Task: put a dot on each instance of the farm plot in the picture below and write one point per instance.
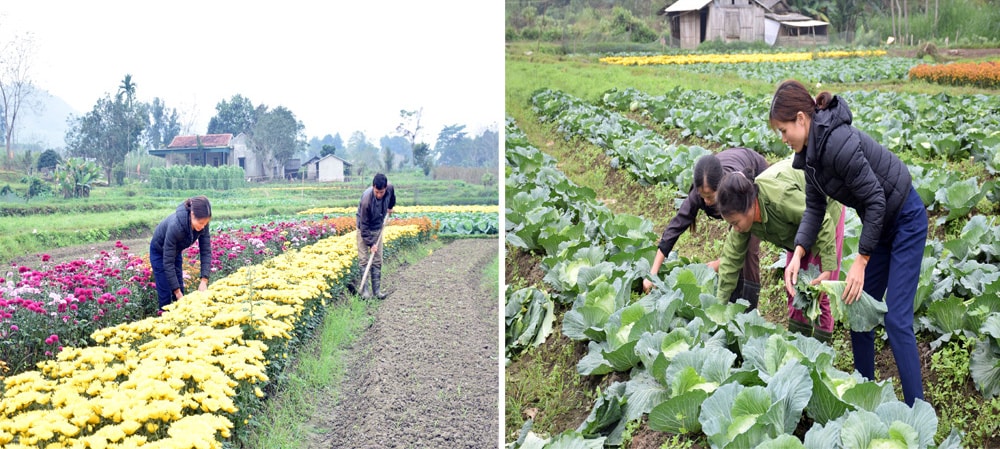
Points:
(225, 347)
(957, 291)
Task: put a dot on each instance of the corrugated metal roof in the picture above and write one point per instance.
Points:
(687, 5)
(805, 23)
(207, 141)
(790, 17)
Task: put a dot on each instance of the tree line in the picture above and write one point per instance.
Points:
(641, 21)
(119, 125)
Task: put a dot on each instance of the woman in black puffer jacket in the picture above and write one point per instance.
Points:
(847, 165)
(188, 224)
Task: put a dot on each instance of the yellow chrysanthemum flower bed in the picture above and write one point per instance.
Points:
(176, 380)
(737, 58)
(407, 210)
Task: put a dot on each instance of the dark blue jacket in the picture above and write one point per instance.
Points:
(845, 164)
(732, 160)
(372, 211)
(173, 235)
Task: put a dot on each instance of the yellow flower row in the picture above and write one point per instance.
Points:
(737, 58)
(406, 210)
(170, 381)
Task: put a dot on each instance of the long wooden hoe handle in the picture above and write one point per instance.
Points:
(371, 256)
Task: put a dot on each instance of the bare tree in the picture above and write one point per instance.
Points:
(16, 86)
(409, 127)
(906, 15)
(892, 15)
(935, 17)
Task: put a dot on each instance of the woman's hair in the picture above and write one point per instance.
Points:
(737, 193)
(200, 206)
(707, 172)
(793, 97)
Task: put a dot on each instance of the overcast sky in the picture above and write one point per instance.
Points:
(339, 66)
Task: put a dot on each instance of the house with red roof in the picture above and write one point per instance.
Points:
(214, 150)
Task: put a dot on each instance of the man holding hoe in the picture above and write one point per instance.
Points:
(375, 207)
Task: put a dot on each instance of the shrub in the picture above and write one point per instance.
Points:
(48, 159)
(118, 173)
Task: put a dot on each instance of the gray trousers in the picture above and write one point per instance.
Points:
(364, 253)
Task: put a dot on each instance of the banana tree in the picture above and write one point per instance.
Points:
(75, 177)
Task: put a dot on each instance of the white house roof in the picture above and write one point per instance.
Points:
(687, 5)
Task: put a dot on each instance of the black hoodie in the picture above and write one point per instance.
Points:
(732, 160)
(845, 164)
(173, 235)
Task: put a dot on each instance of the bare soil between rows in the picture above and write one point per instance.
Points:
(138, 246)
(426, 373)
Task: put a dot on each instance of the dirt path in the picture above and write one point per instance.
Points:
(137, 246)
(426, 373)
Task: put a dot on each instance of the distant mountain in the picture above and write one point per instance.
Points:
(45, 124)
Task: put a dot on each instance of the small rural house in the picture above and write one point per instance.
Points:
(328, 168)
(695, 21)
(252, 165)
(211, 150)
(292, 167)
(215, 150)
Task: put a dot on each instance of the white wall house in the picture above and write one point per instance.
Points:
(328, 168)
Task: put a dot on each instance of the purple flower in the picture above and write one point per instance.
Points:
(53, 339)
(14, 328)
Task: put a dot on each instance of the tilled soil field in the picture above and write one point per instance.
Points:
(426, 373)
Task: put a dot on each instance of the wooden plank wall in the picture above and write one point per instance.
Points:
(750, 23)
(690, 30)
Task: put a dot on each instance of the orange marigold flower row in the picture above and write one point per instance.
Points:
(982, 74)
(423, 223)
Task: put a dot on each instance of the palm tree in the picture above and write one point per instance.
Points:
(128, 88)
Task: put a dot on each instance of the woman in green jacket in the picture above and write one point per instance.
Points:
(770, 207)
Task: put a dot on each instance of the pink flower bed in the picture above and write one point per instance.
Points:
(42, 310)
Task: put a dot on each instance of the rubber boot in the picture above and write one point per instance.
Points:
(376, 280)
(822, 335)
(751, 293)
(366, 293)
(800, 327)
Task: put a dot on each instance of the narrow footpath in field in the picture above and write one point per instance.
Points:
(426, 374)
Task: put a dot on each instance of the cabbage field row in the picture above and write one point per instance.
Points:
(677, 343)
